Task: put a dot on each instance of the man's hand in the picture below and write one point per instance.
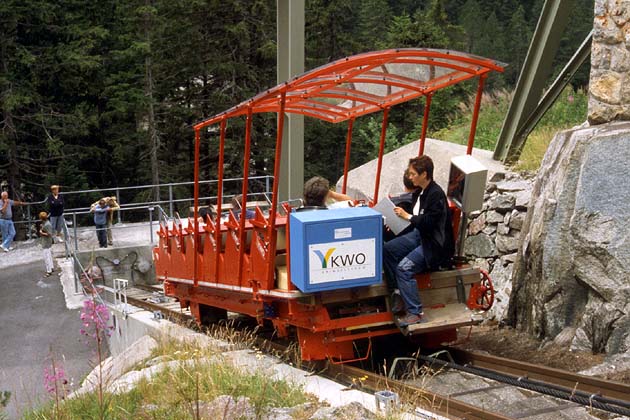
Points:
(401, 213)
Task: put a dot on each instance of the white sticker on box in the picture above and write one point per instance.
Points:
(338, 261)
(343, 233)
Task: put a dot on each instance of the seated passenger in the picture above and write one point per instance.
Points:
(405, 202)
(237, 208)
(430, 244)
(317, 193)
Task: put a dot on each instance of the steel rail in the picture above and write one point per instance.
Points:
(150, 306)
(443, 405)
(574, 381)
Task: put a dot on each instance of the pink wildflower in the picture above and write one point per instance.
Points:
(95, 317)
(54, 379)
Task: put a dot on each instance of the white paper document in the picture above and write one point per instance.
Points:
(386, 208)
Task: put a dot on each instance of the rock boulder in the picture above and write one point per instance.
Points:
(573, 267)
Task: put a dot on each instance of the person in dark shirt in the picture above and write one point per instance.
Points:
(430, 244)
(100, 221)
(55, 211)
(237, 204)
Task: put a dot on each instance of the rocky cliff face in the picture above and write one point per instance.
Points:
(572, 272)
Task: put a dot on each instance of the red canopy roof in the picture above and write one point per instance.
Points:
(365, 83)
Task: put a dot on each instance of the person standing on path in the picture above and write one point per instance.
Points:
(47, 240)
(55, 211)
(100, 220)
(6, 220)
(113, 206)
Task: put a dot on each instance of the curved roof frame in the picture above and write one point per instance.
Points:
(339, 91)
(365, 83)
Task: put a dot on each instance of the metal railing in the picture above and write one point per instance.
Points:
(264, 181)
(71, 242)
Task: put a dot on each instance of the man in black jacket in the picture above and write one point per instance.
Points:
(430, 244)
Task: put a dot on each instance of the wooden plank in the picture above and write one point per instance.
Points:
(441, 296)
(450, 316)
(449, 278)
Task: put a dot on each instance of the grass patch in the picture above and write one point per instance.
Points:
(569, 110)
(173, 393)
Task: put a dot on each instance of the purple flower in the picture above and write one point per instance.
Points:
(95, 320)
(54, 379)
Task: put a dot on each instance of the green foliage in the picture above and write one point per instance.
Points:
(91, 92)
(569, 110)
(5, 396)
(173, 392)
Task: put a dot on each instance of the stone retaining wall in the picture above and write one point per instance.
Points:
(610, 62)
(494, 233)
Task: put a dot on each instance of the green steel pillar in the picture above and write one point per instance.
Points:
(533, 78)
(290, 18)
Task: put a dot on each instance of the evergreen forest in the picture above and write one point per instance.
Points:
(99, 94)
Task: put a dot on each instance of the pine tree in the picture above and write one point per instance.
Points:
(519, 37)
(471, 20)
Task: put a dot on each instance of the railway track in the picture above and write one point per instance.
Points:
(457, 383)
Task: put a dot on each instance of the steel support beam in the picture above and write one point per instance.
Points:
(290, 62)
(549, 98)
(536, 70)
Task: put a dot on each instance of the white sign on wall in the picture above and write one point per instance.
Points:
(344, 260)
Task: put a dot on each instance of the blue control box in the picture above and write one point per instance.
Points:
(336, 248)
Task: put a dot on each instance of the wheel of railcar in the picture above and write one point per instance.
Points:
(485, 297)
(211, 315)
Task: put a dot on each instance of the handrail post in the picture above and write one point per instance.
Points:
(74, 227)
(346, 162)
(118, 200)
(217, 231)
(475, 116)
(271, 250)
(242, 239)
(196, 208)
(28, 215)
(151, 224)
(66, 236)
(381, 150)
(76, 275)
(425, 123)
(170, 199)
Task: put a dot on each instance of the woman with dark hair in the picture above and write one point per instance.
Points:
(55, 211)
(429, 246)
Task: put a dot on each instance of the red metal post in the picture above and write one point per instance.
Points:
(196, 204)
(276, 184)
(473, 124)
(241, 232)
(219, 197)
(346, 163)
(425, 123)
(381, 149)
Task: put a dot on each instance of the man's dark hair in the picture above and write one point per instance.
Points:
(315, 191)
(407, 182)
(422, 164)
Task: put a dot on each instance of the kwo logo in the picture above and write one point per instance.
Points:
(324, 257)
(341, 260)
(330, 261)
